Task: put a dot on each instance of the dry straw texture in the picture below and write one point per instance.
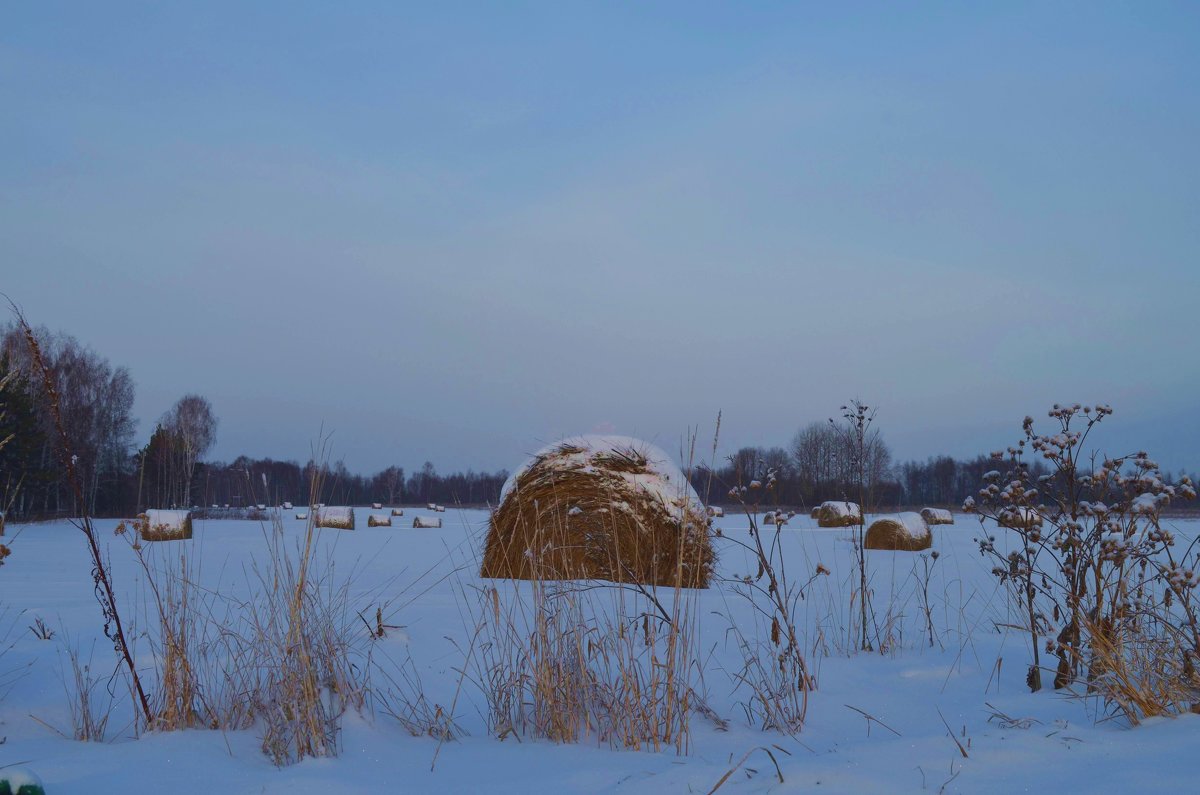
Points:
(596, 507)
(934, 516)
(903, 532)
(337, 518)
(838, 514)
(165, 525)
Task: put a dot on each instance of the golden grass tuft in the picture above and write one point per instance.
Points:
(901, 533)
(600, 508)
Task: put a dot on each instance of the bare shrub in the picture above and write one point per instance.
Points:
(1094, 570)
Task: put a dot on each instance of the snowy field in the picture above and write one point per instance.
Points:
(918, 695)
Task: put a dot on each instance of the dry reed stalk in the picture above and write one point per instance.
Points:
(114, 629)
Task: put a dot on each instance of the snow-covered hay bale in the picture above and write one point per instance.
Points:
(903, 532)
(375, 506)
(397, 512)
(716, 511)
(600, 507)
(165, 525)
(379, 520)
(837, 513)
(432, 506)
(815, 513)
(933, 516)
(1019, 518)
(287, 506)
(339, 518)
(427, 522)
(440, 508)
(301, 515)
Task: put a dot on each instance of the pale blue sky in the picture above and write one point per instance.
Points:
(455, 232)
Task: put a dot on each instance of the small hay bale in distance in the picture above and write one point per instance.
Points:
(431, 506)
(935, 516)
(375, 506)
(604, 508)
(837, 513)
(1019, 519)
(715, 511)
(440, 508)
(397, 512)
(336, 517)
(301, 515)
(379, 520)
(165, 525)
(901, 532)
(287, 506)
(427, 522)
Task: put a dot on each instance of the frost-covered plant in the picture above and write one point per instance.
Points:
(775, 669)
(858, 437)
(1092, 555)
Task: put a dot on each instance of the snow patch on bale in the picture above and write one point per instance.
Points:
(934, 516)
(837, 513)
(156, 525)
(379, 520)
(338, 518)
(600, 507)
(902, 532)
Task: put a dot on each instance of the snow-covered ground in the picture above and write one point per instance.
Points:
(917, 695)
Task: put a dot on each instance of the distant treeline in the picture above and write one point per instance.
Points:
(94, 400)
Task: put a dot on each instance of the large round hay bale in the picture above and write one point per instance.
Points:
(156, 525)
(837, 513)
(902, 532)
(600, 507)
(337, 517)
(934, 516)
(379, 520)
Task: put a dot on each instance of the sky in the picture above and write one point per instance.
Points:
(455, 232)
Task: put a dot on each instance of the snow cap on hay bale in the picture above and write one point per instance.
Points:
(397, 512)
(600, 507)
(379, 520)
(428, 522)
(934, 516)
(339, 518)
(301, 515)
(902, 532)
(1019, 519)
(837, 513)
(165, 525)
